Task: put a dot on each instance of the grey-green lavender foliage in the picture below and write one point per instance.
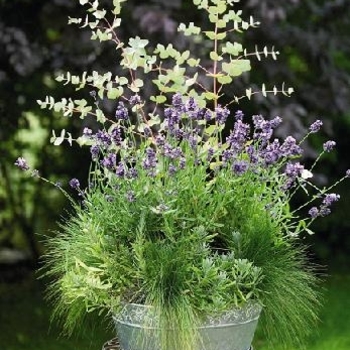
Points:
(177, 214)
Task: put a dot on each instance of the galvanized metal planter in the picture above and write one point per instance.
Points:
(233, 330)
(113, 344)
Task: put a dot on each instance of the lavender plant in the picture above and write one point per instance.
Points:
(181, 213)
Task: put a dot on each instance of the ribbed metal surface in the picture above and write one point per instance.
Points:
(113, 344)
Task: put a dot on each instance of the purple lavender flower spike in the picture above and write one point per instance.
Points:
(290, 148)
(330, 198)
(227, 155)
(221, 114)
(191, 105)
(239, 115)
(271, 153)
(177, 101)
(258, 121)
(74, 183)
(167, 149)
(120, 170)
(263, 129)
(239, 167)
(150, 161)
(172, 169)
(275, 122)
(210, 154)
(130, 196)
(182, 163)
(121, 113)
(347, 173)
(176, 153)
(135, 100)
(172, 117)
(160, 140)
(94, 150)
(147, 131)
(293, 170)
(208, 115)
(315, 126)
(22, 163)
(192, 140)
(103, 138)
(180, 134)
(116, 135)
(328, 146)
(253, 155)
(238, 136)
(87, 132)
(109, 161)
(324, 211)
(132, 173)
(314, 213)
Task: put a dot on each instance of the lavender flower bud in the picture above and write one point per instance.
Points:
(293, 170)
(347, 174)
(132, 173)
(275, 122)
(324, 211)
(330, 198)
(239, 115)
(150, 161)
(315, 126)
(74, 183)
(116, 135)
(147, 131)
(210, 154)
(227, 155)
(172, 169)
(121, 113)
(314, 213)
(191, 105)
(94, 150)
(87, 132)
(22, 163)
(130, 196)
(328, 146)
(239, 167)
(221, 114)
(182, 163)
(258, 121)
(192, 140)
(238, 136)
(177, 100)
(103, 138)
(160, 140)
(135, 100)
(208, 115)
(109, 161)
(120, 170)
(290, 148)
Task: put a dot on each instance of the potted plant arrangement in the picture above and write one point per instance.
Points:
(185, 232)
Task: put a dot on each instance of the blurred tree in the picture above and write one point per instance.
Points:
(36, 44)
